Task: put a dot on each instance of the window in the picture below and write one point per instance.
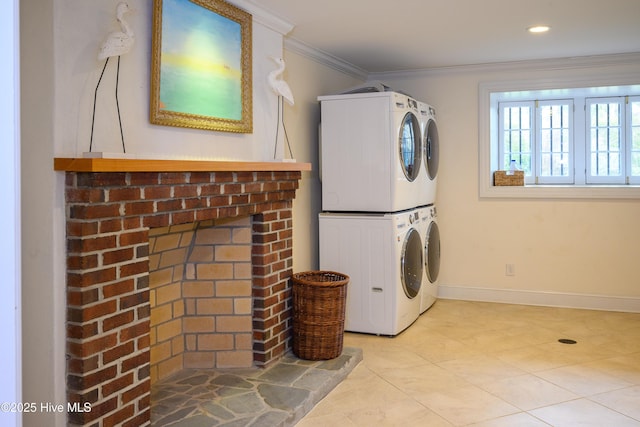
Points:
(575, 142)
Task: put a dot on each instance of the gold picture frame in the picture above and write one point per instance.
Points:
(201, 66)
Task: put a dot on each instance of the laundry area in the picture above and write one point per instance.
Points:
(379, 169)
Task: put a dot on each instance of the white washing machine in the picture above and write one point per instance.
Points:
(431, 152)
(383, 256)
(370, 152)
(430, 233)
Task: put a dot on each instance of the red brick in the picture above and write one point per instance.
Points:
(218, 201)
(231, 189)
(139, 208)
(134, 331)
(182, 191)
(94, 211)
(117, 320)
(143, 417)
(240, 199)
(87, 381)
(97, 411)
(132, 223)
(195, 203)
(156, 193)
(75, 262)
(117, 256)
(80, 280)
(90, 244)
(135, 299)
(134, 238)
(173, 178)
(81, 298)
(118, 384)
(135, 361)
(84, 195)
(120, 416)
(82, 331)
(101, 179)
(82, 228)
(169, 205)
(184, 217)
(117, 352)
(153, 221)
(80, 366)
(199, 177)
(134, 268)
(119, 288)
(110, 225)
(223, 177)
(89, 347)
(135, 392)
(144, 178)
(210, 189)
(126, 193)
(88, 313)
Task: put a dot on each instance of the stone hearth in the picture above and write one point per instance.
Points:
(111, 206)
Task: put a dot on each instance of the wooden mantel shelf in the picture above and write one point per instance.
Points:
(142, 165)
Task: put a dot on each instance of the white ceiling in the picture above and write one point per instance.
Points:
(395, 35)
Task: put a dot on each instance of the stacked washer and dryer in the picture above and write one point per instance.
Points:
(379, 164)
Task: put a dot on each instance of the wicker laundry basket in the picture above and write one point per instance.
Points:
(319, 301)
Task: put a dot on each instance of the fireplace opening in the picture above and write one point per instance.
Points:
(200, 296)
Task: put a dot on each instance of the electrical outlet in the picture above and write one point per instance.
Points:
(510, 270)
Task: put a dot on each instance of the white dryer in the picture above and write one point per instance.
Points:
(431, 152)
(371, 152)
(383, 256)
(430, 233)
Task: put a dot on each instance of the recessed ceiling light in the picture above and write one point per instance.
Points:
(539, 29)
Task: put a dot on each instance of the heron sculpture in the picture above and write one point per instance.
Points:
(282, 89)
(117, 43)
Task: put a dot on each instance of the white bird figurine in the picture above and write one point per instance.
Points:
(279, 86)
(116, 44)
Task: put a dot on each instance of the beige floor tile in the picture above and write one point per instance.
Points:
(516, 420)
(423, 379)
(625, 401)
(582, 413)
(465, 405)
(481, 369)
(529, 392)
(535, 358)
(325, 420)
(583, 380)
(623, 367)
(471, 362)
(404, 413)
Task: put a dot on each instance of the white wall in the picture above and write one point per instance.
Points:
(308, 79)
(43, 373)
(80, 28)
(566, 252)
(10, 310)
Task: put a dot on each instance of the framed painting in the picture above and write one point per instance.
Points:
(201, 66)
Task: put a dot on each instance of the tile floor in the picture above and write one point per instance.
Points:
(483, 364)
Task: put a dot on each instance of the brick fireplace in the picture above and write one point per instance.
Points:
(113, 209)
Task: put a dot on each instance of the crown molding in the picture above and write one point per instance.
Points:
(324, 58)
(264, 17)
(576, 62)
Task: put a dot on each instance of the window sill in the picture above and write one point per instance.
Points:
(562, 192)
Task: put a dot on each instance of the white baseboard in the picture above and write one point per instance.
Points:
(548, 299)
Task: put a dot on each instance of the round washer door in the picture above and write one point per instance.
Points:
(432, 252)
(410, 146)
(412, 263)
(431, 149)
